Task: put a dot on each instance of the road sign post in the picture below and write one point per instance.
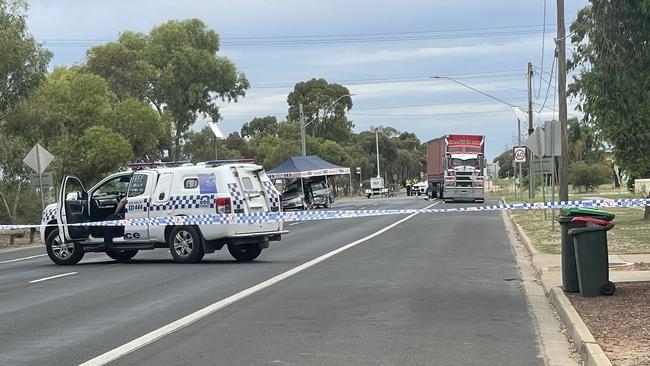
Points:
(360, 180)
(519, 153)
(39, 159)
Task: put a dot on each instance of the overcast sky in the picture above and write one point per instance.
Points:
(384, 51)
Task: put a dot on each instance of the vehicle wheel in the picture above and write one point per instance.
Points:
(609, 289)
(64, 254)
(186, 245)
(244, 253)
(327, 203)
(122, 255)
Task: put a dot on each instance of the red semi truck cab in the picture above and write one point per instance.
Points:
(455, 167)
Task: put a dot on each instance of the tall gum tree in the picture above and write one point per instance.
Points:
(175, 67)
(612, 60)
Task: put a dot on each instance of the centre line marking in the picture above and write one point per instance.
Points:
(23, 258)
(172, 327)
(53, 277)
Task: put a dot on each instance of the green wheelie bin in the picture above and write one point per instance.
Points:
(569, 271)
(591, 256)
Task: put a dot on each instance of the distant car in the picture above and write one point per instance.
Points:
(420, 188)
(321, 194)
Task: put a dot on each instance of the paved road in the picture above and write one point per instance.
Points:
(435, 289)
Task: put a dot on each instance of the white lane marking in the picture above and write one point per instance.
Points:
(23, 259)
(294, 223)
(53, 277)
(363, 208)
(172, 327)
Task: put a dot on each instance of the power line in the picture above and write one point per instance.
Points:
(403, 79)
(336, 39)
(543, 41)
(380, 108)
(427, 114)
(549, 86)
(387, 33)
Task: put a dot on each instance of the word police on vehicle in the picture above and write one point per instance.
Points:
(153, 191)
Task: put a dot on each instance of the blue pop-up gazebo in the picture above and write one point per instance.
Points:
(304, 167)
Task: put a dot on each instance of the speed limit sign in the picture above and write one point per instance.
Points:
(520, 154)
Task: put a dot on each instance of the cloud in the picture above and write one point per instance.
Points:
(471, 48)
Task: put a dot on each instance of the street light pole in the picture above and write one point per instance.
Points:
(302, 130)
(377, 143)
(303, 124)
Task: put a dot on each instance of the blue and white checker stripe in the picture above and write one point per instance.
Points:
(49, 214)
(236, 198)
(185, 202)
(263, 217)
(272, 195)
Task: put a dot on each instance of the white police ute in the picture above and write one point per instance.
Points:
(216, 187)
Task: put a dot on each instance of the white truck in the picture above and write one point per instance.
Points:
(217, 187)
(376, 188)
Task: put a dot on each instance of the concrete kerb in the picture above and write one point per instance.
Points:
(585, 342)
(590, 351)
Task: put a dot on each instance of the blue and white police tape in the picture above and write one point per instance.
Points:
(262, 217)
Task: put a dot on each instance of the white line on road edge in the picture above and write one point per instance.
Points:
(294, 223)
(53, 277)
(153, 336)
(23, 259)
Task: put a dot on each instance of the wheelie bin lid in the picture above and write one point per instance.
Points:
(585, 211)
(591, 221)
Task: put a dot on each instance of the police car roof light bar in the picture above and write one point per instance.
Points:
(137, 166)
(213, 163)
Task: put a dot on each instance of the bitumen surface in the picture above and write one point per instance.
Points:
(436, 289)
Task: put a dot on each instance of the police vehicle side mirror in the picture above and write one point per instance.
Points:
(72, 196)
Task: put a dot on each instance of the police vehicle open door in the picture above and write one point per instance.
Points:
(249, 197)
(72, 209)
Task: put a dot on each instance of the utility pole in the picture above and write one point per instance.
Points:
(302, 130)
(561, 89)
(531, 173)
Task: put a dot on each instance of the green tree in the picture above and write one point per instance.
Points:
(91, 155)
(322, 108)
(199, 146)
(141, 125)
(23, 66)
(588, 176)
(584, 142)
(235, 142)
(23, 62)
(175, 67)
(613, 85)
(260, 126)
(123, 66)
